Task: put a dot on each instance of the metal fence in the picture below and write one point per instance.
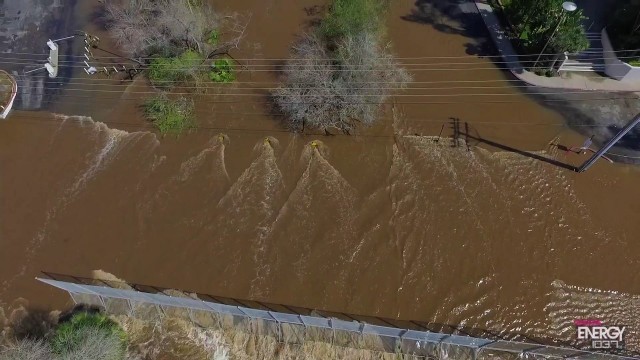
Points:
(296, 327)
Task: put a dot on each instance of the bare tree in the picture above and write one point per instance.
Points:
(96, 344)
(168, 27)
(338, 89)
(26, 350)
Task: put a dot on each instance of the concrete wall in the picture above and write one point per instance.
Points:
(613, 66)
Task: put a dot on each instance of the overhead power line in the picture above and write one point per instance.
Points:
(314, 95)
(462, 101)
(299, 64)
(295, 62)
(51, 117)
(62, 86)
(51, 120)
(306, 62)
(275, 81)
(312, 70)
(282, 59)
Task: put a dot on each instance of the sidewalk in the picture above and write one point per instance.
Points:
(574, 80)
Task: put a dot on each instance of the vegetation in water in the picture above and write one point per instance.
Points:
(176, 43)
(167, 72)
(83, 336)
(352, 17)
(341, 76)
(213, 38)
(170, 116)
(167, 28)
(89, 336)
(222, 71)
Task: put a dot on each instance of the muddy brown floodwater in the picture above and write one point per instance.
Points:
(394, 222)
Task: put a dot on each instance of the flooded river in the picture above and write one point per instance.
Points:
(443, 212)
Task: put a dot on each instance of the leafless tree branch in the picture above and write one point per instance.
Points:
(319, 91)
(168, 27)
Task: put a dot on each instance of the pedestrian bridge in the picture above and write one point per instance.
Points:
(294, 325)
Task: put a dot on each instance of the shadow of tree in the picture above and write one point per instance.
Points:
(31, 323)
(459, 17)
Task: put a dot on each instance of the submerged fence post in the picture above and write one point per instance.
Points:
(587, 164)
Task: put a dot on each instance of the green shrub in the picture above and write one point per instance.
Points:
(222, 71)
(351, 17)
(634, 62)
(213, 37)
(169, 116)
(166, 71)
(86, 334)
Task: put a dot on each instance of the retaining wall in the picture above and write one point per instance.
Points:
(614, 67)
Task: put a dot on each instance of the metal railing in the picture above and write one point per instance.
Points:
(306, 323)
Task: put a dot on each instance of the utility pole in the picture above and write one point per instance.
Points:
(567, 6)
(587, 164)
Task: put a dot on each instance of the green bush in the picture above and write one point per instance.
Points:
(213, 37)
(222, 71)
(89, 332)
(166, 71)
(352, 17)
(169, 116)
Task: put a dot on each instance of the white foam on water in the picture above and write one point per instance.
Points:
(189, 166)
(317, 220)
(249, 208)
(113, 140)
(568, 303)
(109, 142)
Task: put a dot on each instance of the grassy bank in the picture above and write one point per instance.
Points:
(82, 335)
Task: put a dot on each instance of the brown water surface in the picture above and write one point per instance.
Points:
(394, 222)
